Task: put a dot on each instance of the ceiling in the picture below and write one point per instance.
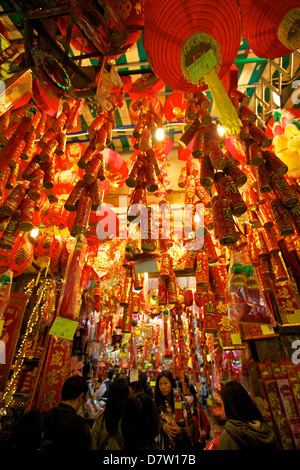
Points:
(133, 63)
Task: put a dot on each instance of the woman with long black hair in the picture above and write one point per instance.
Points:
(173, 435)
(245, 428)
(106, 432)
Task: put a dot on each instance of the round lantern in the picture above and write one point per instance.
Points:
(174, 107)
(19, 259)
(54, 214)
(64, 182)
(155, 105)
(271, 30)
(177, 34)
(164, 146)
(46, 245)
(115, 163)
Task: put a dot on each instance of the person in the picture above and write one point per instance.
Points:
(104, 388)
(202, 425)
(172, 435)
(106, 431)
(245, 428)
(63, 427)
(140, 423)
(140, 385)
(143, 384)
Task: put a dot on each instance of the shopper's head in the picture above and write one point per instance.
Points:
(116, 401)
(74, 391)
(164, 388)
(238, 404)
(140, 421)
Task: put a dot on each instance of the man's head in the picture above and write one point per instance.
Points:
(110, 374)
(74, 391)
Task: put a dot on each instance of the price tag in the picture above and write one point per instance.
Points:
(1, 326)
(235, 338)
(202, 66)
(267, 330)
(177, 405)
(134, 375)
(294, 317)
(63, 328)
(152, 383)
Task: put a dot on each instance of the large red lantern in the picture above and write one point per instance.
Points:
(19, 259)
(173, 27)
(271, 29)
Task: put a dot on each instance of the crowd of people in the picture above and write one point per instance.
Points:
(136, 418)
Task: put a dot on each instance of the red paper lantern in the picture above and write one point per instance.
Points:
(19, 259)
(54, 214)
(163, 147)
(46, 245)
(184, 153)
(261, 23)
(174, 107)
(64, 182)
(169, 24)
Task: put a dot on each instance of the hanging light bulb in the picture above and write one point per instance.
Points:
(160, 133)
(221, 130)
(34, 232)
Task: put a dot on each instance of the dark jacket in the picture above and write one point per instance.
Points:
(239, 435)
(66, 430)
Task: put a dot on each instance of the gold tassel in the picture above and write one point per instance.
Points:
(193, 47)
(289, 30)
(225, 110)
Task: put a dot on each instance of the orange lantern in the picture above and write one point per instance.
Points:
(54, 214)
(64, 182)
(19, 259)
(46, 245)
(174, 107)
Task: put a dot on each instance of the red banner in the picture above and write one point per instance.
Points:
(13, 317)
(57, 369)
